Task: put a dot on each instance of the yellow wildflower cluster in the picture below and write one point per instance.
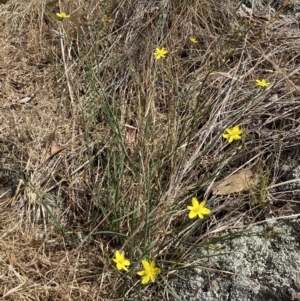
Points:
(193, 40)
(121, 262)
(262, 83)
(160, 53)
(198, 209)
(107, 20)
(62, 15)
(148, 273)
(233, 134)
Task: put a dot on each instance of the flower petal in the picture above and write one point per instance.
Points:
(145, 279)
(192, 215)
(200, 215)
(141, 273)
(195, 202)
(205, 211)
(202, 204)
(145, 264)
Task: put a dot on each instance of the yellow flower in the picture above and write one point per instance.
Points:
(108, 20)
(160, 53)
(233, 134)
(62, 15)
(149, 271)
(193, 40)
(262, 83)
(120, 261)
(198, 209)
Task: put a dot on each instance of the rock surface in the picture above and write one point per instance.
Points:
(262, 265)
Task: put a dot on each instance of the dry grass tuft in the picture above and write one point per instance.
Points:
(103, 146)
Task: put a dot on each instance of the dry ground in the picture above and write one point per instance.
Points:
(102, 146)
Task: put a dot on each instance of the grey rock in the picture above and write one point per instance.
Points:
(263, 264)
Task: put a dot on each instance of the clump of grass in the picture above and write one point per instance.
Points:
(125, 128)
